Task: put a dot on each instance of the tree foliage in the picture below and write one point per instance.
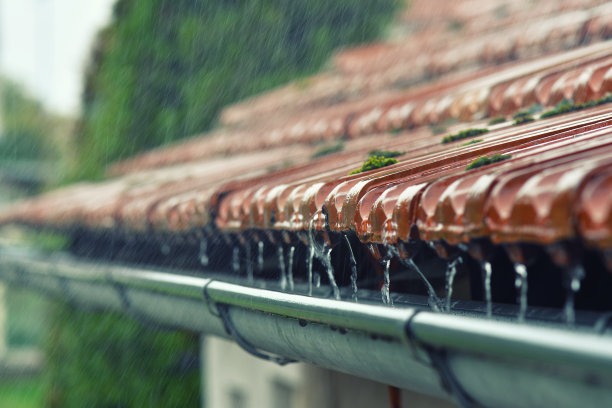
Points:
(163, 69)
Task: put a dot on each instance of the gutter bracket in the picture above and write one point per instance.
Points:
(439, 361)
(231, 330)
(222, 311)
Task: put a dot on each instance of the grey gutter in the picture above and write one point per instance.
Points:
(482, 361)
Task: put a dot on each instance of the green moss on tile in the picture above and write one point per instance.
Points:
(464, 134)
(385, 153)
(496, 120)
(567, 105)
(519, 120)
(484, 160)
(374, 162)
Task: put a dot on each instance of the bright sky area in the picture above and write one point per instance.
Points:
(44, 45)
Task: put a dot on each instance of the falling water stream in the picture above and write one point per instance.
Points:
(353, 269)
(290, 268)
(451, 272)
(385, 289)
(236, 260)
(249, 262)
(260, 256)
(204, 260)
(576, 275)
(521, 288)
(330, 274)
(487, 272)
(281, 266)
(310, 260)
(433, 300)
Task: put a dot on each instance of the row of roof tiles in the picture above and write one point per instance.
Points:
(549, 191)
(390, 66)
(582, 74)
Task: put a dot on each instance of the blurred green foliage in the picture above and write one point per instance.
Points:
(26, 127)
(163, 69)
(109, 360)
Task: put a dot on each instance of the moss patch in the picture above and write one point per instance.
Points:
(385, 153)
(497, 120)
(566, 106)
(464, 134)
(522, 117)
(484, 160)
(374, 162)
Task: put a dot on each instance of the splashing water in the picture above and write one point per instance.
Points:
(290, 268)
(330, 274)
(486, 266)
(310, 259)
(260, 256)
(281, 266)
(353, 269)
(576, 276)
(520, 283)
(385, 291)
(236, 260)
(451, 272)
(204, 252)
(249, 262)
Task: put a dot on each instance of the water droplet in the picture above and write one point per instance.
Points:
(521, 286)
(165, 249)
(576, 274)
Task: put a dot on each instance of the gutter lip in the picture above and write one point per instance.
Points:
(495, 338)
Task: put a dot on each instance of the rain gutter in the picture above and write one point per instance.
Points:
(478, 361)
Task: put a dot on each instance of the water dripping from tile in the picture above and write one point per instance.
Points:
(433, 300)
(236, 260)
(576, 274)
(330, 274)
(486, 278)
(451, 272)
(203, 254)
(281, 267)
(310, 260)
(249, 262)
(520, 283)
(290, 268)
(353, 262)
(260, 256)
(385, 289)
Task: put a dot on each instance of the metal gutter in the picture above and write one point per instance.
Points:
(483, 362)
